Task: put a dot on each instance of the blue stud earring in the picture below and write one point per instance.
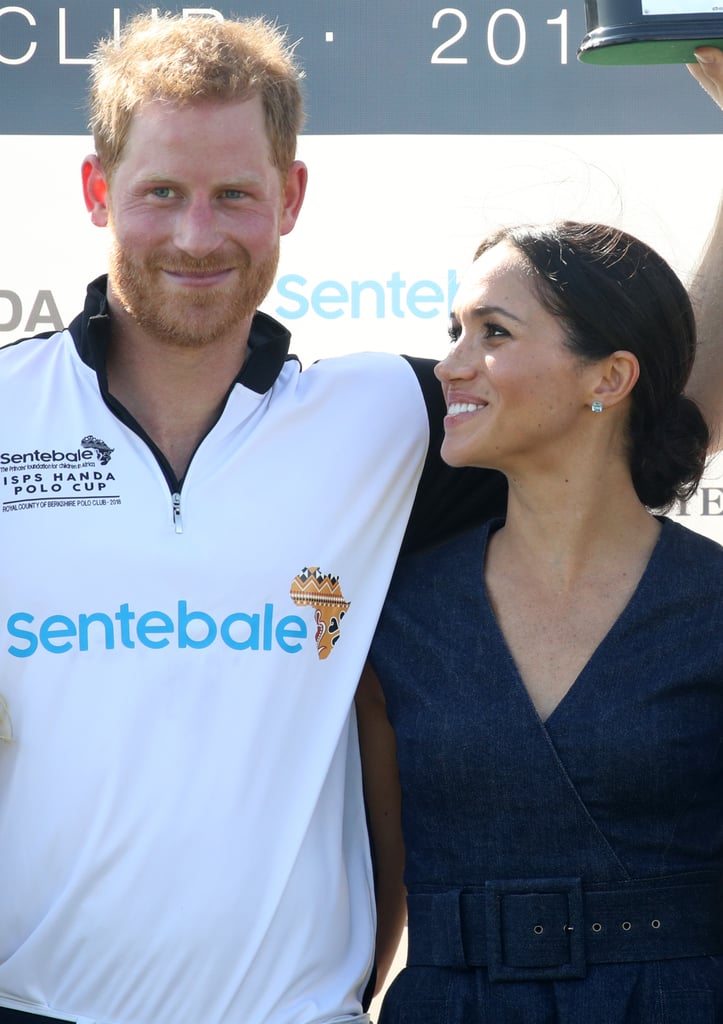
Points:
(597, 406)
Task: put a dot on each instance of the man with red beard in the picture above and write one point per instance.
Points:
(182, 822)
(194, 251)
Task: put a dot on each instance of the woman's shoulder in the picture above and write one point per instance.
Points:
(690, 560)
(689, 542)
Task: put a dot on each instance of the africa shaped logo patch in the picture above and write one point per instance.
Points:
(323, 592)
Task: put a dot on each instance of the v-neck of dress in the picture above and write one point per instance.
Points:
(605, 641)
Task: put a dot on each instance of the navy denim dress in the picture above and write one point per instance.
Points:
(568, 871)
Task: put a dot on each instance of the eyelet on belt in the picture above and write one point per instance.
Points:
(597, 927)
(538, 929)
(626, 926)
(655, 923)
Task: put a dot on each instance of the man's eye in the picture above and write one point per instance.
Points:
(233, 193)
(162, 192)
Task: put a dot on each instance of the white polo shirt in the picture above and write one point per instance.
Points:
(182, 831)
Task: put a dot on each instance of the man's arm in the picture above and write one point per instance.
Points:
(706, 288)
(383, 802)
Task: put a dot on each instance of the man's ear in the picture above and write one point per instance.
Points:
(95, 191)
(293, 195)
(619, 375)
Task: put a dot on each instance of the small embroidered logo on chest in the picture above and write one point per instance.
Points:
(100, 447)
(323, 593)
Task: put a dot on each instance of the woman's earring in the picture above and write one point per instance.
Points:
(597, 406)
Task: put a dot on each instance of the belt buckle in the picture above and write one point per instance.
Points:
(535, 929)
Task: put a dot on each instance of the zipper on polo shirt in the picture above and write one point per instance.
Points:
(177, 519)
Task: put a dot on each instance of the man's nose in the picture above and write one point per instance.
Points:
(196, 229)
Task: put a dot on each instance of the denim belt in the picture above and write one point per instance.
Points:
(547, 929)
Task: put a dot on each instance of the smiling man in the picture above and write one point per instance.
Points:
(182, 824)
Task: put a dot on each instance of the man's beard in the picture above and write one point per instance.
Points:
(196, 317)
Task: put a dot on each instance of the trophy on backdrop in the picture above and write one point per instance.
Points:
(649, 31)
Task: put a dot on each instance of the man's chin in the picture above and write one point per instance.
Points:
(194, 320)
(194, 330)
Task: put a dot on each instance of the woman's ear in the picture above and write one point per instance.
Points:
(619, 374)
(95, 190)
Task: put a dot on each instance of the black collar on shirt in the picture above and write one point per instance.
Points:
(268, 344)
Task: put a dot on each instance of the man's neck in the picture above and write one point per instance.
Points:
(176, 393)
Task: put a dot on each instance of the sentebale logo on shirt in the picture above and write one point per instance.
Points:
(184, 628)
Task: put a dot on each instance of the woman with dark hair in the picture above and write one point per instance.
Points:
(555, 679)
